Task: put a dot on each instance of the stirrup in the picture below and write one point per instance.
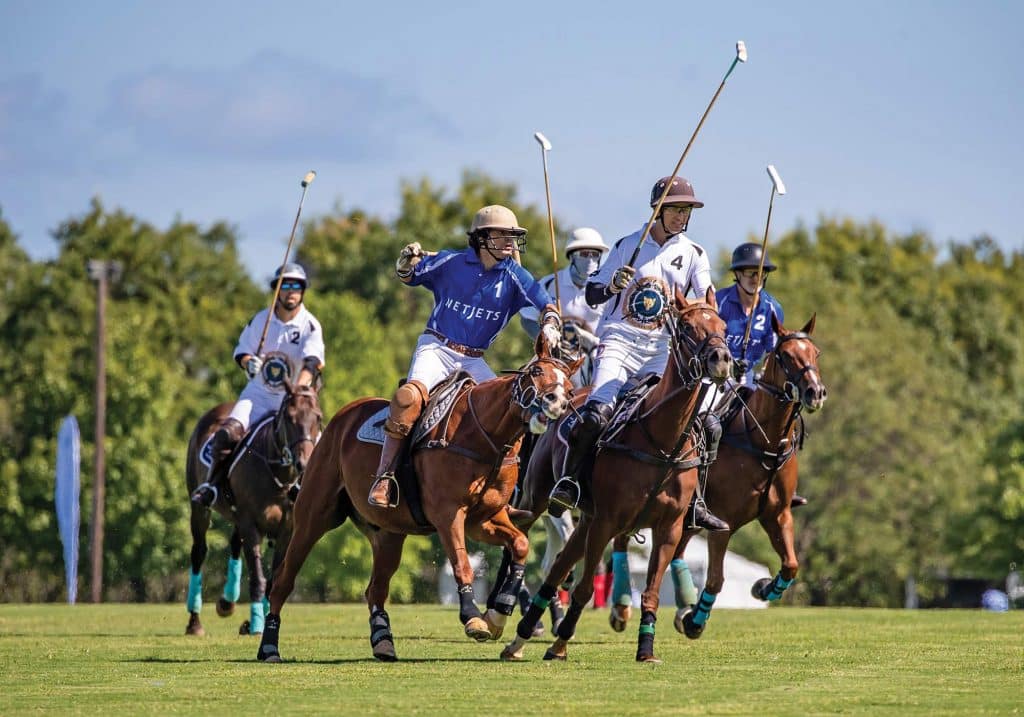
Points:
(205, 495)
(564, 496)
(392, 484)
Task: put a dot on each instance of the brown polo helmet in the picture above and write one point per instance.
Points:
(681, 192)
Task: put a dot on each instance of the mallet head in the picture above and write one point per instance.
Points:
(542, 140)
(308, 179)
(741, 51)
(780, 188)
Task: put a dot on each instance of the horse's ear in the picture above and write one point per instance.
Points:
(575, 365)
(680, 298)
(777, 327)
(540, 346)
(709, 297)
(809, 328)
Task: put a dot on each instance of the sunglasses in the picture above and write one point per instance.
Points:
(292, 286)
(749, 273)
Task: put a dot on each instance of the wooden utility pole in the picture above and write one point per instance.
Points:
(102, 272)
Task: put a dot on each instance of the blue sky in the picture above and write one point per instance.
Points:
(907, 112)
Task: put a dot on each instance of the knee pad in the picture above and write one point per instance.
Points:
(712, 427)
(406, 406)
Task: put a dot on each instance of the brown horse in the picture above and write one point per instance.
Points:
(755, 475)
(466, 468)
(644, 476)
(267, 463)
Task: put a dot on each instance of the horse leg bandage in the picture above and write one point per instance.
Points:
(505, 601)
(380, 627)
(194, 603)
(233, 583)
(256, 622)
(776, 587)
(467, 604)
(538, 604)
(685, 590)
(622, 589)
(567, 628)
(703, 610)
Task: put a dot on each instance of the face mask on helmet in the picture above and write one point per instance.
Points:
(582, 264)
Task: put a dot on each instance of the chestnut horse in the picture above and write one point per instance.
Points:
(467, 470)
(269, 460)
(755, 475)
(642, 477)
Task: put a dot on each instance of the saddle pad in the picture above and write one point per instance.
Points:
(627, 406)
(248, 438)
(372, 430)
(206, 450)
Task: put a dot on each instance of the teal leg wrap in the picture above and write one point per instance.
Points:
(686, 591)
(194, 603)
(256, 617)
(266, 605)
(622, 588)
(540, 602)
(777, 587)
(233, 584)
(703, 610)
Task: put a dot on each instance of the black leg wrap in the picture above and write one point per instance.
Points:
(467, 604)
(505, 602)
(500, 578)
(380, 627)
(524, 599)
(268, 643)
(535, 612)
(567, 628)
(645, 641)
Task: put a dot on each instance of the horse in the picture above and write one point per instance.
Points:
(755, 475)
(267, 465)
(466, 467)
(643, 475)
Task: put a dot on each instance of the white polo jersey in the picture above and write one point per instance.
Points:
(574, 302)
(641, 307)
(287, 343)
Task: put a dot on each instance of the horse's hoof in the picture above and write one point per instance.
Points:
(243, 629)
(195, 627)
(495, 623)
(690, 628)
(538, 629)
(225, 608)
(268, 653)
(508, 655)
(559, 650)
(649, 659)
(677, 623)
(619, 616)
(385, 651)
(477, 629)
(551, 655)
(759, 588)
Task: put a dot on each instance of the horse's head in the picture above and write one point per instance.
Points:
(297, 425)
(542, 388)
(698, 339)
(792, 368)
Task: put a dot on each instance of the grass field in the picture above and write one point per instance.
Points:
(135, 659)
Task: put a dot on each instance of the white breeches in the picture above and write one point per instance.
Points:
(255, 401)
(558, 529)
(433, 362)
(622, 355)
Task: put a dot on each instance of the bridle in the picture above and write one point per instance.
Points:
(789, 392)
(284, 447)
(691, 367)
(525, 394)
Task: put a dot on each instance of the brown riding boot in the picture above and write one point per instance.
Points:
(406, 406)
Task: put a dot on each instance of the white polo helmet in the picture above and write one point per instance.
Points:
(585, 238)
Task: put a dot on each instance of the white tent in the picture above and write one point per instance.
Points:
(740, 574)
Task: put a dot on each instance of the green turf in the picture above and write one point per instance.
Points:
(135, 659)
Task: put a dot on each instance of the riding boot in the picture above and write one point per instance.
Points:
(797, 501)
(698, 514)
(406, 406)
(566, 493)
(221, 448)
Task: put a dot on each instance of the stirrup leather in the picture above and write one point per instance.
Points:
(199, 495)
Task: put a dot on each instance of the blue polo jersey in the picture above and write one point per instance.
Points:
(471, 304)
(762, 338)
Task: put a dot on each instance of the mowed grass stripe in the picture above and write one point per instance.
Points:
(135, 659)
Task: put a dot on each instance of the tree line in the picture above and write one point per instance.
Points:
(914, 468)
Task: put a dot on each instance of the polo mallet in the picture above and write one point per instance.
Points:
(741, 56)
(306, 181)
(545, 147)
(780, 188)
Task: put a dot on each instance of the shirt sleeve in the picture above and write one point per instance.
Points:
(700, 274)
(314, 343)
(532, 291)
(428, 271)
(532, 313)
(249, 339)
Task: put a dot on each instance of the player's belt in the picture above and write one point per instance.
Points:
(457, 348)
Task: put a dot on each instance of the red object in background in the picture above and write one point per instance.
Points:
(563, 595)
(600, 592)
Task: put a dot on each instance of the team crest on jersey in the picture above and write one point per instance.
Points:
(276, 369)
(646, 303)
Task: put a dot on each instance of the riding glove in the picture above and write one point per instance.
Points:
(253, 366)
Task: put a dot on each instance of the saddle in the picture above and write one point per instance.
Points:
(437, 410)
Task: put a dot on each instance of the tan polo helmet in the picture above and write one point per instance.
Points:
(495, 216)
